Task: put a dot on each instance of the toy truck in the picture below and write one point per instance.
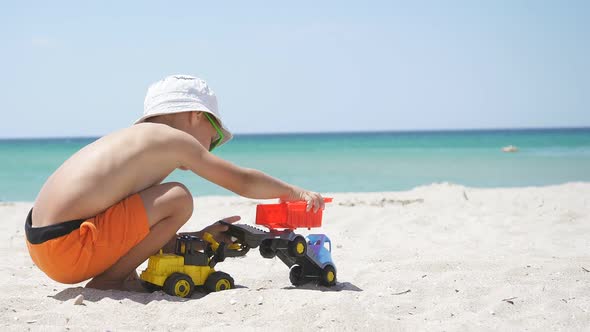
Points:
(317, 263)
(178, 274)
(309, 258)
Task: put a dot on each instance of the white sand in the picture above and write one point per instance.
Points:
(441, 257)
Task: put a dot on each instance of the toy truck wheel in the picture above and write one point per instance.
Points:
(266, 250)
(178, 284)
(219, 281)
(328, 276)
(296, 275)
(298, 246)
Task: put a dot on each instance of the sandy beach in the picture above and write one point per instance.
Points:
(441, 257)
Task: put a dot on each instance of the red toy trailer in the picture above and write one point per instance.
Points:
(289, 215)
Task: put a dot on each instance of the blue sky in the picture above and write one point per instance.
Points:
(82, 69)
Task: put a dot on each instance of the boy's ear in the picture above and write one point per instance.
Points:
(194, 117)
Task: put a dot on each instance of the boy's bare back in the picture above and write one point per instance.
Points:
(108, 170)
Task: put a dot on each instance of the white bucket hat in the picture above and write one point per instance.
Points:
(182, 93)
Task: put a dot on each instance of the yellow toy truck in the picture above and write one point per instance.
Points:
(178, 274)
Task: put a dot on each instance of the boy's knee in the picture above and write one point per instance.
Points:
(183, 200)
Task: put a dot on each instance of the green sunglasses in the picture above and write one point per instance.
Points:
(219, 132)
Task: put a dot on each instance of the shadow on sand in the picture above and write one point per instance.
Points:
(95, 295)
(339, 287)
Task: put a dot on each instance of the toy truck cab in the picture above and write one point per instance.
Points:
(319, 248)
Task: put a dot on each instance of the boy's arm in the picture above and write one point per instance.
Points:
(245, 182)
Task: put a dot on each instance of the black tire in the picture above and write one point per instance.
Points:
(218, 281)
(150, 287)
(296, 275)
(298, 246)
(266, 250)
(178, 284)
(328, 276)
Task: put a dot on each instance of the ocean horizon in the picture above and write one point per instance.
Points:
(349, 161)
(336, 132)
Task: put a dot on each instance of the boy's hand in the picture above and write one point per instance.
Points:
(217, 230)
(314, 200)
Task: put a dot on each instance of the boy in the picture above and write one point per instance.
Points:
(105, 210)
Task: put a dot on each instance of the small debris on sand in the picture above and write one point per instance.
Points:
(79, 300)
(509, 300)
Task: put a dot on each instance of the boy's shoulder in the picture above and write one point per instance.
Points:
(156, 131)
(155, 135)
(151, 127)
(142, 136)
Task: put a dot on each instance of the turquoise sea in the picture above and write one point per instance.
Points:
(350, 162)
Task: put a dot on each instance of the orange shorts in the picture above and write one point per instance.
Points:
(77, 250)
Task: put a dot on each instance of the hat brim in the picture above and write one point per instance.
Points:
(227, 135)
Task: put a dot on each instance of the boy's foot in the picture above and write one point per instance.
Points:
(131, 284)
